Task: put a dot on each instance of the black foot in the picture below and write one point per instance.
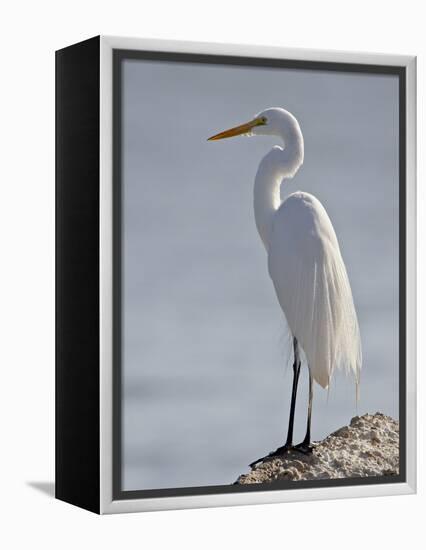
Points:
(305, 448)
(279, 452)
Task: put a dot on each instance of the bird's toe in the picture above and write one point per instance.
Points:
(304, 448)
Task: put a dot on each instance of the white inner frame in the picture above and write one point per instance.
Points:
(107, 504)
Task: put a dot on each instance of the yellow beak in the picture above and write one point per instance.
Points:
(239, 130)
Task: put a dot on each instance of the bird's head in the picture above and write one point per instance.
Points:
(270, 122)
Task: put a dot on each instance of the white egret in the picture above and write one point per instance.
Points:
(304, 263)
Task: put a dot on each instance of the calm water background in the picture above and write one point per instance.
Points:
(206, 385)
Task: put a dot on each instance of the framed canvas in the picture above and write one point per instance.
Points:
(235, 318)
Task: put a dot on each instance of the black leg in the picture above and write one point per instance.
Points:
(296, 373)
(289, 441)
(305, 446)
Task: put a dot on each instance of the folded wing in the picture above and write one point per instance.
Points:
(312, 286)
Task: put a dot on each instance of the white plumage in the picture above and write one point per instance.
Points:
(304, 262)
(312, 286)
(304, 259)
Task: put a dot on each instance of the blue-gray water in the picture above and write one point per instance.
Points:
(206, 388)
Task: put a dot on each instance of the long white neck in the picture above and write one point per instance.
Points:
(276, 166)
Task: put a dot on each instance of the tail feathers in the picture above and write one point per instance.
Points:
(332, 339)
(321, 314)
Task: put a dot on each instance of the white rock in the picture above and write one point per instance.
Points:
(369, 446)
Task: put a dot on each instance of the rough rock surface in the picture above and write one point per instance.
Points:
(369, 446)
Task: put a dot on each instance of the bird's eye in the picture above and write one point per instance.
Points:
(264, 120)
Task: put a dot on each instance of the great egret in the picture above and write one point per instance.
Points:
(304, 263)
